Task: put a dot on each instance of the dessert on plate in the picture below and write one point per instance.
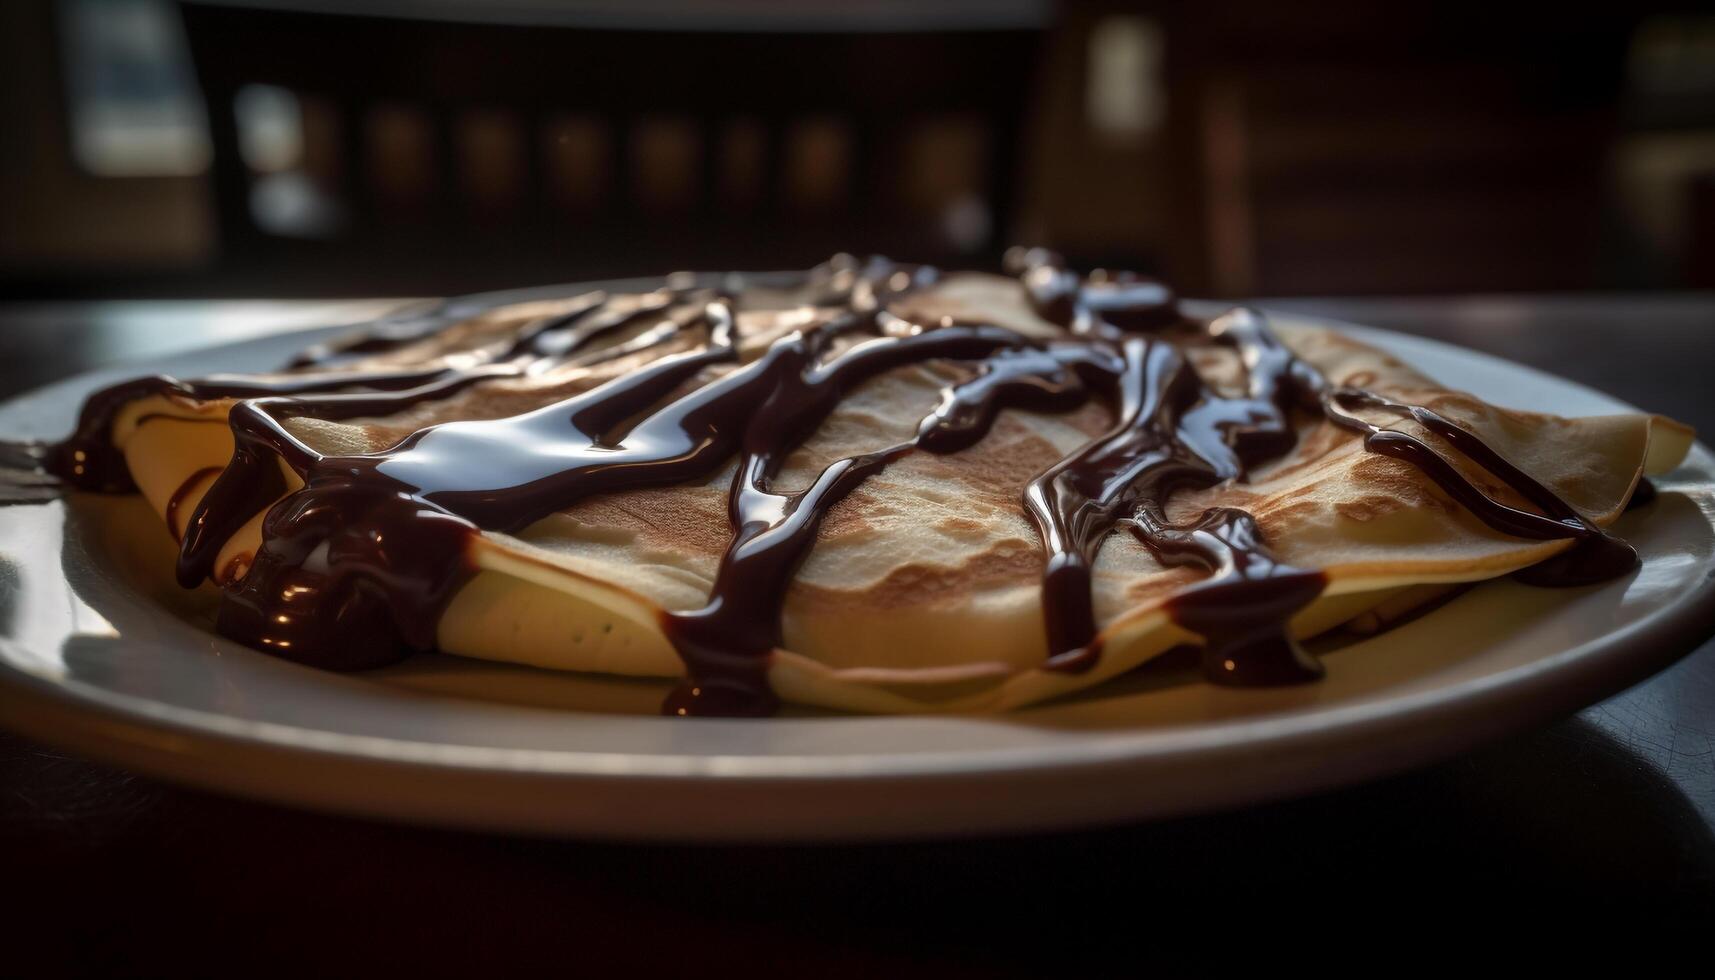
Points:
(870, 487)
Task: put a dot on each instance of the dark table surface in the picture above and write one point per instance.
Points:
(1605, 818)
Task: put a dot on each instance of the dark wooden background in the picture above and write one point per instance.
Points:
(1418, 146)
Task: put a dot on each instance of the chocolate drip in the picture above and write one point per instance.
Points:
(88, 460)
(1176, 433)
(1595, 555)
(1244, 609)
(727, 644)
(177, 500)
(356, 565)
(382, 337)
(569, 334)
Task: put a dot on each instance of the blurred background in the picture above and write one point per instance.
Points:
(1239, 147)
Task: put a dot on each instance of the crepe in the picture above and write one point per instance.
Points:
(923, 590)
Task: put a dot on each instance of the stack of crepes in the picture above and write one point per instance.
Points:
(922, 592)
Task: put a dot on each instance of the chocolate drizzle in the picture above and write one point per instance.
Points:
(358, 562)
(1595, 557)
(727, 644)
(1176, 433)
(177, 500)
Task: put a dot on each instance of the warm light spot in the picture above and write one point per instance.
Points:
(1125, 98)
(681, 711)
(1230, 665)
(79, 455)
(282, 618)
(696, 692)
(898, 280)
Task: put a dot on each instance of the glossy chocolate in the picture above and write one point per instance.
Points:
(358, 562)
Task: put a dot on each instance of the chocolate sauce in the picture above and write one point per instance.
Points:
(381, 337)
(727, 644)
(177, 500)
(87, 459)
(1595, 555)
(1176, 433)
(357, 564)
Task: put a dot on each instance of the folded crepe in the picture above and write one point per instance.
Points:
(922, 588)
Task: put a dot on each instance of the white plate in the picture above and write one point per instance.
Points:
(100, 654)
